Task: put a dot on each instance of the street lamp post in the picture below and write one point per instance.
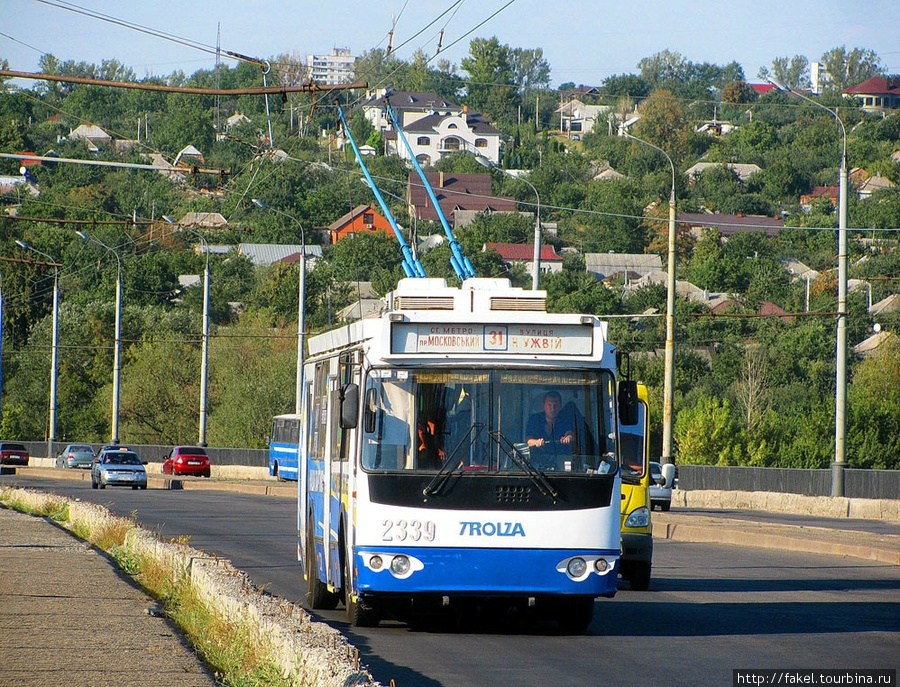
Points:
(204, 346)
(301, 302)
(114, 431)
(668, 454)
(840, 393)
(536, 260)
(54, 347)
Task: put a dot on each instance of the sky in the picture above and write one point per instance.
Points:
(584, 41)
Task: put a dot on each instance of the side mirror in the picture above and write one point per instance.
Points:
(349, 406)
(628, 402)
(668, 476)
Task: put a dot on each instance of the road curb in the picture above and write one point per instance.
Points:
(781, 537)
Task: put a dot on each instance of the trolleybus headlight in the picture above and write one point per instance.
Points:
(601, 565)
(375, 562)
(576, 567)
(400, 565)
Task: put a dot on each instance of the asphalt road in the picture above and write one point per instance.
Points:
(711, 608)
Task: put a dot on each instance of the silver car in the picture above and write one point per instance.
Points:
(76, 456)
(660, 494)
(121, 467)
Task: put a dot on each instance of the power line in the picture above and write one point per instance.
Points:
(144, 86)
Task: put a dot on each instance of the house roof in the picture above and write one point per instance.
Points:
(874, 183)
(350, 216)
(203, 219)
(474, 120)
(885, 305)
(731, 224)
(766, 308)
(463, 191)
(409, 100)
(89, 131)
(867, 347)
(525, 251)
(267, 253)
(742, 170)
(606, 264)
(877, 85)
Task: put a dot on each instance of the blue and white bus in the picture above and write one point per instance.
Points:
(283, 446)
(420, 487)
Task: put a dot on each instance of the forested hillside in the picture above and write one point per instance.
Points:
(751, 388)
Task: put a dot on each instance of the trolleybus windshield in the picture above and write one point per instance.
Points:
(473, 421)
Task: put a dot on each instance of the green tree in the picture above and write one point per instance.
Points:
(491, 87)
(792, 72)
(873, 427)
(850, 67)
(629, 85)
(707, 434)
(663, 123)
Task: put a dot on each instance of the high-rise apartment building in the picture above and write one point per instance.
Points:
(336, 68)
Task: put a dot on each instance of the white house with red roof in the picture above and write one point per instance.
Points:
(878, 94)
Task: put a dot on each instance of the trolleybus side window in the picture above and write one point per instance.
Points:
(320, 410)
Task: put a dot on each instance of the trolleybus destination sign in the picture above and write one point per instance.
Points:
(556, 339)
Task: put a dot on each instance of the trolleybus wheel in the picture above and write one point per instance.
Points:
(639, 580)
(576, 613)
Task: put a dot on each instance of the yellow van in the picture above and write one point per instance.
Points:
(637, 538)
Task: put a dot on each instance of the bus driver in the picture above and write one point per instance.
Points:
(549, 428)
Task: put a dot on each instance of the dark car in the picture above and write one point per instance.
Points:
(187, 460)
(118, 467)
(76, 456)
(13, 454)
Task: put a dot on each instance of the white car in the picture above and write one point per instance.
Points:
(661, 487)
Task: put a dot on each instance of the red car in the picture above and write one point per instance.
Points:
(13, 454)
(187, 460)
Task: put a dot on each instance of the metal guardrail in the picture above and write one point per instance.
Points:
(861, 484)
(250, 457)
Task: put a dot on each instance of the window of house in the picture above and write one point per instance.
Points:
(368, 218)
(423, 160)
(451, 143)
(452, 126)
(481, 143)
(423, 141)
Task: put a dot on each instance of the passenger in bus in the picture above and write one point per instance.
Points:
(430, 443)
(549, 429)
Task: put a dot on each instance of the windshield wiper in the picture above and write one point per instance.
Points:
(449, 467)
(520, 458)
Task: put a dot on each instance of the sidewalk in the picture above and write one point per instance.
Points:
(68, 617)
(840, 539)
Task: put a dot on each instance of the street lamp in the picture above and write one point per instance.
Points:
(669, 374)
(114, 432)
(840, 393)
(54, 346)
(301, 301)
(536, 261)
(204, 355)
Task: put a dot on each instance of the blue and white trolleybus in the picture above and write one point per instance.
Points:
(433, 474)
